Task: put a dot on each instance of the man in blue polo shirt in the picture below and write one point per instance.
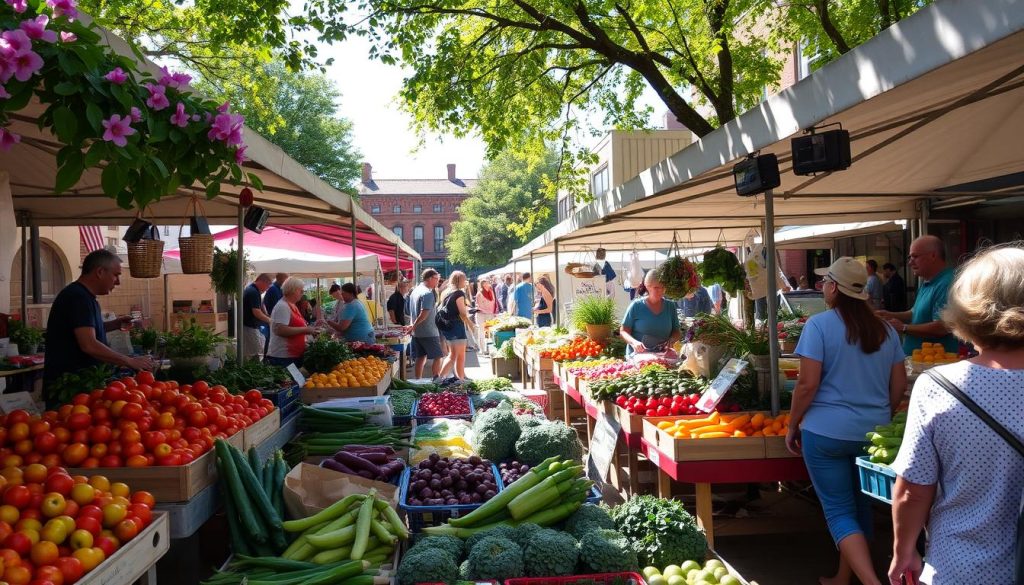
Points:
(924, 321)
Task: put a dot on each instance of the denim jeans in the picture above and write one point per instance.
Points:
(833, 470)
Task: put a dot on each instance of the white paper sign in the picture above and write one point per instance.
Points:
(721, 384)
(16, 400)
(588, 287)
(297, 375)
(602, 444)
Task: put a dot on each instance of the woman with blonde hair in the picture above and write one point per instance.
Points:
(453, 304)
(964, 434)
(288, 328)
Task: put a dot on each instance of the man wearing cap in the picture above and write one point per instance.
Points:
(923, 322)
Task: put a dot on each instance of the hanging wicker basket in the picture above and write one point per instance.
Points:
(145, 258)
(580, 270)
(196, 254)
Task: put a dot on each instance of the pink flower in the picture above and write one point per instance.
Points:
(223, 108)
(195, 117)
(118, 129)
(117, 76)
(8, 139)
(25, 65)
(135, 115)
(157, 98)
(179, 118)
(18, 5)
(68, 37)
(240, 154)
(36, 29)
(15, 42)
(227, 128)
(67, 8)
(178, 81)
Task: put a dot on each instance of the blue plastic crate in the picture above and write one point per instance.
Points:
(876, 480)
(282, 397)
(422, 516)
(423, 419)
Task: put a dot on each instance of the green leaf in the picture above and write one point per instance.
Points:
(125, 199)
(236, 173)
(121, 96)
(97, 152)
(65, 124)
(255, 180)
(159, 164)
(66, 88)
(69, 174)
(18, 99)
(114, 179)
(212, 189)
(94, 114)
(157, 130)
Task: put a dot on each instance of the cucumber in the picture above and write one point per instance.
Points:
(238, 543)
(246, 515)
(261, 502)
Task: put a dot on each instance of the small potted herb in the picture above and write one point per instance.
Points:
(595, 315)
(25, 336)
(789, 333)
(145, 340)
(191, 346)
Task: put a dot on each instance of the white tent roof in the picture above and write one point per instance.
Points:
(273, 260)
(933, 102)
(546, 263)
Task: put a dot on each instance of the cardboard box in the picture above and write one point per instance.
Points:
(730, 448)
(315, 395)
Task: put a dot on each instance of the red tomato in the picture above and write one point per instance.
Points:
(127, 529)
(46, 442)
(19, 542)
(18, 496)
(111, 461)
(145, 378)
(143, 497)
(60, 483)
(89, 523)
(71, 568)
(115, 391)
(254, 396)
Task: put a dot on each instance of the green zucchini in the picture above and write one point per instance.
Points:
(238, 543)
(261, 502)
(363, 522)
(246, 515)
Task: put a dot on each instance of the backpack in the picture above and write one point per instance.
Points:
(1018, 566)
(446, 315)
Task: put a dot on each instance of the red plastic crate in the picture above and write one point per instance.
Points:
(600, 579)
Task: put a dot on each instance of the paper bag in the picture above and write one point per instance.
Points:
(309, 489)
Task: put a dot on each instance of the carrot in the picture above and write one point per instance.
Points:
(739, 421)
(757, 421)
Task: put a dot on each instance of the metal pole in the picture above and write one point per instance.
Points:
(24, 268)
(773, 303)
(558, 290)
(37, 265)
(353, 227)
(533, 277)
(239, 310)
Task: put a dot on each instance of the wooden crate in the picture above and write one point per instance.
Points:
(315, 395)
(261, 429)
(136, 557)
(505, 368)
(700, 449)
(775, 448)
(167, 483)
(630, 423)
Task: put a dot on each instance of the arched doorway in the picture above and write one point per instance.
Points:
(52, 269)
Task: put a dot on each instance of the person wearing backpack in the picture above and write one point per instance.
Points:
(453, 322)
(964, 431)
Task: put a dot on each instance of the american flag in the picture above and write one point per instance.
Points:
(91, 237)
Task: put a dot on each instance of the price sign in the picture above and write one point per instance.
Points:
(602, 444)
(654, 457)
(296, 375)
(19, 400)
(721, 384)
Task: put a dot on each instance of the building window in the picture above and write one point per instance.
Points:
(396, 208)
(566, 205)
(805, 64)
(52, 273)
(417, 208)
(417, 238)
(600, 181)
(399, 231)
(375, 208)
(437, 208)
(438, 238)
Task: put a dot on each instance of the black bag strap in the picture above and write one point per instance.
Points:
(978, 411)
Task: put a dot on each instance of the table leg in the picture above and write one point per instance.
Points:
(402, 364)
(664, 485)
(704, 515)
(566, 402)
(634, 471)
(591, 422)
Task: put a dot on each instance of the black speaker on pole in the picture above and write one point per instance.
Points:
(756, 174)
(821, 152)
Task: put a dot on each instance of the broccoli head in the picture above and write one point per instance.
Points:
(527, 421)
(429, 565)
(447, 543)
(501, 530)
(496, 558)
(522, 534)
(549, 439)
(551, 553)
(588, 518)
(464, 573)
(495, 432)
(607, 551)
(661, 531)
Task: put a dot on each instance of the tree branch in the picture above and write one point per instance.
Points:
(821, 10)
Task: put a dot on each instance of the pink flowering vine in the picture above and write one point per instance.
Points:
(227, 128)
(68, 37)
(178, 81)
(8, 139)
(135, 114)
(3, 93)
(118, 129)
(157, 97)
(18, 5)
(68, 8)
(117, 76)
(179, 118)
(240, 154)
(37, 31)
(17, 59)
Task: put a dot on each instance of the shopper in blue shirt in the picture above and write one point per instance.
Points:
(522, 296)
(270, 299)
(851, 379)
(924, 321)
(695, 303)
(353, 322)
(651, 322)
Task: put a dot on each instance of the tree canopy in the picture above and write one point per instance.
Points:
(497, 218)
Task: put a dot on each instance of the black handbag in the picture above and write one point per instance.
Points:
(1013, 441)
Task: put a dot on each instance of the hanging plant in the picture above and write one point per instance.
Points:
(224, 276)
(150, 135)
(721, 266)
(679, 276)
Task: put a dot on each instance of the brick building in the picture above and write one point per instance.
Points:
(420, 211)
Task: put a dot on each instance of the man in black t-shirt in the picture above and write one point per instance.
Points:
(396, 304)
(76, 335)
(254, 315)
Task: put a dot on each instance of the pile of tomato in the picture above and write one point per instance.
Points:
(133, 422)
(581, 347)
(55, 527)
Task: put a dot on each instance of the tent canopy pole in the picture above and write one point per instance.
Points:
(772, 298)
(239, 310)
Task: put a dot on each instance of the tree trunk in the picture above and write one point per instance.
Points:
(830, 28)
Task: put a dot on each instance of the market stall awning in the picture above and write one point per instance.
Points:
(546, 262)
(280, 249)
(291, 193)
(935, 102)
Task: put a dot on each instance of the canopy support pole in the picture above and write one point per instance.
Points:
(353, 225)
(533, 277)
(558, 280)
(772, 300)
(24, 267)
(37, 265)
(239, 309)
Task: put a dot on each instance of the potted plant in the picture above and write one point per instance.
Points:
(789, 333)
(191, 346)
(145, 340)
(25, 336)
(595, 315)
(679, 276)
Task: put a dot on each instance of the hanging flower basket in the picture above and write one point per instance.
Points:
(580, 270)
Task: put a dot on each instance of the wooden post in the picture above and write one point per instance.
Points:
(704, 513)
